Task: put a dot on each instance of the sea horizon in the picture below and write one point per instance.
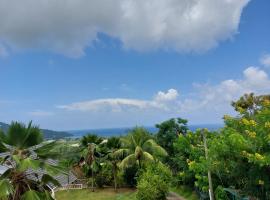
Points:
(108, 132)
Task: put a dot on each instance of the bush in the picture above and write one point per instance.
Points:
(220, 194)
(130, 175)
(153, 183)
(104, 177)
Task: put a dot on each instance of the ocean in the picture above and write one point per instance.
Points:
(108, 132)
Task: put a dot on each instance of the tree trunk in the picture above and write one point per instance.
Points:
(93, 181)
(115, 182)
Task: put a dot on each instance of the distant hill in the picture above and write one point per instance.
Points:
(47, 134)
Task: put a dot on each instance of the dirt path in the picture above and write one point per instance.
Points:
(174, 196)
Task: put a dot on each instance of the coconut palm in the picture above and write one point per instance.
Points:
(92, 153)
(139, 147)
(113, 158)
(23, 153)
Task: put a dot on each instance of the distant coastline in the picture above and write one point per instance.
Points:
(108, 132)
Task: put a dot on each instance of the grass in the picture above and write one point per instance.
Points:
(100, 194)
(185, 192)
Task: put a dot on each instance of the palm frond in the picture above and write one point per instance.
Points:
(49, 179)
(147, 156)
(152, 147)
(3, 148)
(27, 163)
(128, 161)
(45, 151)
(31, 195)
(6, 188)
(120, 153)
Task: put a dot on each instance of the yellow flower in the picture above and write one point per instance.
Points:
(259, 156)
(267, 124)
(245, 121)
(266, 102)
(252, 123)
(191, 163)
(261, 182)
(251, 134)
(248, 122)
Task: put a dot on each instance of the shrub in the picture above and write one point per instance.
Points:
(130, 175)
(220, 194)
(153, 183)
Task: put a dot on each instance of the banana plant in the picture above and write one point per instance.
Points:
(26, 159)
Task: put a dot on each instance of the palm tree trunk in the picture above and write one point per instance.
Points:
(92, 180)
(115, 181)
(115, 176)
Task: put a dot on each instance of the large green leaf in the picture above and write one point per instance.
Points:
(27, 163)
(31, 195)
(22, 137)
(3, 148)
(54, 170)
(49, 179)
(45, 151)
(6, 188)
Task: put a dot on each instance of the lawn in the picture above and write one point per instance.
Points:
(100, 194)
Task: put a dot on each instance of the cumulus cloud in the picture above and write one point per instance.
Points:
(68, 27)
(171, 95)
(217, 98)
(265, 60)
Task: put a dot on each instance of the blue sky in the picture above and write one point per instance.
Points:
(124, 67)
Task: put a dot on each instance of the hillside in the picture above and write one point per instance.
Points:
(48, 134)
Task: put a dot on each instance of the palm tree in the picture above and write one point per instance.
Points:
(25, 153)
(113, 158)
(91, 153)
(139, 146)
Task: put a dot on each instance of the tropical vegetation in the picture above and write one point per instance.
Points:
(230, 163)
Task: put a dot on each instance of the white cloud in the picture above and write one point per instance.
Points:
(68, 27)
(171, 95)
(40, 113)
(206, 103)
(265, 60)
(160, 102)
(217, 98)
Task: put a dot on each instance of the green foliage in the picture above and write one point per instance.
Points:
(139, 148)
(220, 194)
(239, 154)
(91, 138)
(167, 135)
(130, 175)
(154, 182)
(25, 151)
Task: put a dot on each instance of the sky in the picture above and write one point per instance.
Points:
(84, 64)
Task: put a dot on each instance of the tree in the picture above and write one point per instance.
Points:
(240, 153)
(91, 154)
(25, 153)
(153, 183)
(90, 138)
(113, 158)
(167, 134)
(138, 147)
(249, 104)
